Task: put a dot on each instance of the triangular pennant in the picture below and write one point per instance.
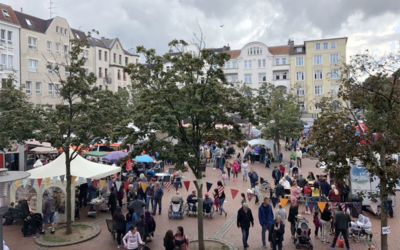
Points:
(128, 165)
(73, 178)
(209, 185)
(321, 205)
(234, 192)
(102, 183)
(39, 182)
(110, 183)
(144, 186)
(10, 183)
(88, 181)
(118, 183)
(55, 180)
(17, 182)
(195, 183)
(24, 182)
(274, 201)
(187, 184)
(283, 201)
(47, 181)
(62, 177)
(32, 181)
(95, 182)
(80, 180)
(374, 206)
(126, 185)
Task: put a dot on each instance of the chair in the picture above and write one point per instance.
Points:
(110, 227)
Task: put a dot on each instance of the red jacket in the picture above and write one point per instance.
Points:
(235, 167)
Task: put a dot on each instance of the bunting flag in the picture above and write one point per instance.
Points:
(47, 181)
(187, 184)
(126, 185)
(95, 182)
(110, 184)
(10, 183)
(17, 182)
(24, 182)
(102, 183)
(80, 180)
(118, 183)
(209, 185)
(55, 180)
(283, 201)
(274, 201)
(32, 181)
(321, 205)
(73, 178)
(220, 190)
(168, 185)
(62, 177)
(39, 181)
(234, 192)
(128, 165)
(195, 183)
(88, 181)
(144, 186)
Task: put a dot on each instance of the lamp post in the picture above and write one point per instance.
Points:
(5, 177)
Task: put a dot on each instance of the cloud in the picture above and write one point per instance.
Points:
(368, 23)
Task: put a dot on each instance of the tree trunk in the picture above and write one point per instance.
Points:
(200, 226)
(68, 190)
(384, 220)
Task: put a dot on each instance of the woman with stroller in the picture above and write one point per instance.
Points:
(276, 233)
(293, 216)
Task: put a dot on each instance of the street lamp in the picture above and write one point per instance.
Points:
(5, 177)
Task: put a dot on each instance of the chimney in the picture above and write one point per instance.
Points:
(22, 10)
(290, 42)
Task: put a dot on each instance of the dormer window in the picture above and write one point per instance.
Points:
(77, 36)
(5, 13)
(254, 51)
(28, 22)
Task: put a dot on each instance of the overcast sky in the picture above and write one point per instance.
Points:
(369, 24)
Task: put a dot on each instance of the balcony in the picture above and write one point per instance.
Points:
(230, 70)
(281, 67)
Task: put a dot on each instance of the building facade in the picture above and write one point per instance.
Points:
(9, 44)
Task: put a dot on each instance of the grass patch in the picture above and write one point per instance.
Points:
(79, 231)
(80, 226)
(53, 239)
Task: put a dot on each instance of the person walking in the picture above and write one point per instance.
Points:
(132, 239)
(221, 198)
(235, 170)
(299, 156)
(341, 225)
(228, 166)
(244, 219)
(245, 169)
(119, 225)
(253, 176)
(276, 233)
(83, 188)
(57, 204)
(326, 217)
(151, 224)
(263, 151)
(112, 201)
(276, 175)
(158, 194)
(307, 192)
(130, 194)
(149, 195)
(181, 240)
(266, 218)
(120, 195)
(169, 243)
(334, 194)
(48, 212)
(137, 206)
(281, 212)
(293, 216)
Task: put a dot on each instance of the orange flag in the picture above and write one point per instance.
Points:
(144, 186)
(73, 178)
(47, 181)
(321, 205)
(283, 201)
(102, 182)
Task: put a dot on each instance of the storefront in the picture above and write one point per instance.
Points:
(14, 158)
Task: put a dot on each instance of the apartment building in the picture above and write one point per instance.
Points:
(9, 44)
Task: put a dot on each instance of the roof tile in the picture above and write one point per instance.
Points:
(233, 53)
(37, 24)
(12, 19)
(279, 50)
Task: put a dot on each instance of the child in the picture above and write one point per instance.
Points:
(132, 239)
(257, 191)
(224, 177)
(216, 199)
(317, 223)
(243, 198)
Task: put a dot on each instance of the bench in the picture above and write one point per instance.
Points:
(13, 214)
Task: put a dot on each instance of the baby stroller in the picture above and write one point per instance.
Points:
(264, 185)
(361, 228)
(303, 231)
(175, 210)
(35, 224)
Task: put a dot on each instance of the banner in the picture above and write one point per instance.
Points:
(283, 201)
(234, 192)
(73, 178)
(55, 180)
(62, 178)
(118, 183)
(129, 165)
(209, 185)
(102, 183)
(187, 184)
(88, 181)
(80, 180)
(39, 181)
(32, 181)
(47, 181)
(321, 205)
(17, 182)
(24, 182)
(168, 185)
(274, 200)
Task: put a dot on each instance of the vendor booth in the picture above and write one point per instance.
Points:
(52, 177)
(267, 143)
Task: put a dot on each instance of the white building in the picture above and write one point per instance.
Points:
(9, 44)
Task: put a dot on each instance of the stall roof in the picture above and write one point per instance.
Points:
(44, 150)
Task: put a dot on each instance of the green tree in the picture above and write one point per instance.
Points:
(18, 118)
(277, 113)
(194, 90)
(370, 91)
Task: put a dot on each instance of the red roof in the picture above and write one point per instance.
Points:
(279, 50)
(234, 53)
(12, 19)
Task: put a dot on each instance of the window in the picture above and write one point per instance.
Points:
(334, 58)
(48, 47)
(317, 59)
(316, 105)
(105, 56)
(262, 77)
(120, 60)
(124, 76)
(277, 76)
(234, 78)
(228, 65)
(38, 88)
(299, 49)
(299, 61)
(66, 49)
(100, 54)
(28, 87)
(277, 61)
(28, 22)
(284, 75)
(334, 73)
(10, 37)
(247, 78)
(126, 61)
(283, 61)
(300, 91)
(334, 89)
(261, 63)
(300, 76)
(254, 51)
(10, 62)
(234, 65)
(115, 58)
(3, 36)
(3, 60)
(318, 90)
(57, 48)
(50, 89)
(317, 74)
(250, 64)
(32, 42)
(245, 64)
(86, 54)
(333, 45)
(100, 73)
(105, 73)
(65, 32)
(33, 65)
(301, 105)
(77, 36)
(57, 28)
(229, 78)
(56, 68)
(61, 30)
(67, 73)
(5, 13)
(50, 68)
(57, 89)
(119, 75)
(325, 45)
(317, 46)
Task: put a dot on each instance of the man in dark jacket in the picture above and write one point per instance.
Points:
(263, 151)
(26, 217)
(48, 212)
(341, 224)
(83, 189)
(325, 187)
(279, 191)
(253, 176)
(293, 217)
(276, 175)
(301, 182)
(266, 218)
(244, 218)
(158, 194)
(276, 232)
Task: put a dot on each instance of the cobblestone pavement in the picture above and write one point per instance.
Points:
(220, 227)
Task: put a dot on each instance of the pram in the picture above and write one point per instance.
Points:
(34, 224)
(264, 185)
(361, 228)
(302, 236)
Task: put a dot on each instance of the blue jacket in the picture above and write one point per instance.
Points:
(265, 215)
(253, 177)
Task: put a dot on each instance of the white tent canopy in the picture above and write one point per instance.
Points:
(80, 167)
(44, 150)
(267, 143)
